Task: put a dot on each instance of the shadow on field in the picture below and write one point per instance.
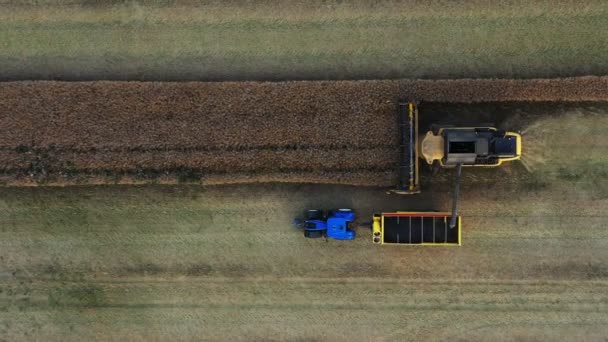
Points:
(262, 68)
(514, 116)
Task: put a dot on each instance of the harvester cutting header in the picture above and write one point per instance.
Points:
(442, 147)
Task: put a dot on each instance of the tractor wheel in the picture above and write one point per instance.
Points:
(313, 234)
(314, 214)
(341, 210)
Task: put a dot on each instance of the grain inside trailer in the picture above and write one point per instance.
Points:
(416, 228)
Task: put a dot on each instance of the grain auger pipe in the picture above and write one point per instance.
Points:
(454, 219)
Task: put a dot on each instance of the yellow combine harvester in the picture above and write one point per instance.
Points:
(470, 146)
(448, 147)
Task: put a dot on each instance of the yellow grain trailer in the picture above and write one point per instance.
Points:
(416, 228)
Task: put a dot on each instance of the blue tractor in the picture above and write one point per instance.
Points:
(333, 224)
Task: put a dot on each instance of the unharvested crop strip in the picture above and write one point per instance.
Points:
(246, 129)
(352, 177)
(250, 161)
(24, 149)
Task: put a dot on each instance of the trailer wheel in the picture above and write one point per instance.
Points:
(313, 234)
(314, 214)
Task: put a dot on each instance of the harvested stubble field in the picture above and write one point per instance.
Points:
(211, 133)
(223, 263)
(163, 40)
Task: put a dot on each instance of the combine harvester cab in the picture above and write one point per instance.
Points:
(416, 228)
(470, 146)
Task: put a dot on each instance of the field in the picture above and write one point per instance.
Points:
(188, 233)
(166, 262)
(217, 263)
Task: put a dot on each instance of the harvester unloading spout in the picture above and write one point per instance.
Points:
(454, 218)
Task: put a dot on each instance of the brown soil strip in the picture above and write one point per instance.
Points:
(312, 131)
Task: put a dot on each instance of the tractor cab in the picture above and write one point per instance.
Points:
(337, 225)
(334, 225)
